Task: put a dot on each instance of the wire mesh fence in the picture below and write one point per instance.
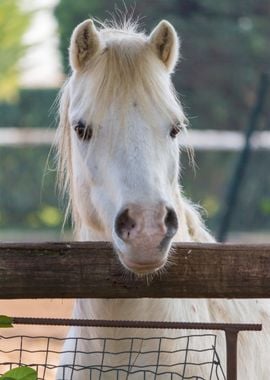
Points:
(191, 356)
(151, 350)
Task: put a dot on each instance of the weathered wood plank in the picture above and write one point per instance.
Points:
(92, 270)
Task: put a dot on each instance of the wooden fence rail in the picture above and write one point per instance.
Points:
(92, 270)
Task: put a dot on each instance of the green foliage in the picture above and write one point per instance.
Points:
(34, 108)
(5, 321)
(13, 24)
(265, 205)
(27, 190)
(210, 183)
(20, 373)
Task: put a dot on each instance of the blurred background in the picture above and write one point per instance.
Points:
(222, 81)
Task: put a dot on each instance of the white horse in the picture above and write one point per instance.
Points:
(118, 143)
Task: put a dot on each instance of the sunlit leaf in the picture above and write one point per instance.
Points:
(5, 321)
(21, 373)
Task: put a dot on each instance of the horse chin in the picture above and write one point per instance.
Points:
(143, 257)
(142, 268)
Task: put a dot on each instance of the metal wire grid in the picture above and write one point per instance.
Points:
(185, 357)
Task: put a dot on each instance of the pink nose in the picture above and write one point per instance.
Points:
(135, 222)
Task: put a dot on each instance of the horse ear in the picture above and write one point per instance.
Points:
(166, 44)
(84, 44)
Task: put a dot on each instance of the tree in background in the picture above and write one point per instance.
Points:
(13, 24)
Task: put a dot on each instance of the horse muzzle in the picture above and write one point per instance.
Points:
(142, 236)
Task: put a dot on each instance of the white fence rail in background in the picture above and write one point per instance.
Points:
(26, 136)
(224, 140)
(199, 139)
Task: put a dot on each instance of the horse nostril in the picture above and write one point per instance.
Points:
(124, 224)
(171, 222)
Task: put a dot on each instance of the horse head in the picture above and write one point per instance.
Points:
(119, 140)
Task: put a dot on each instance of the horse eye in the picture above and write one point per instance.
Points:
(83, 132)
(175, 130)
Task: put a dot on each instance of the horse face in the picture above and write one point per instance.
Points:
(125, 162)
(125, 179)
